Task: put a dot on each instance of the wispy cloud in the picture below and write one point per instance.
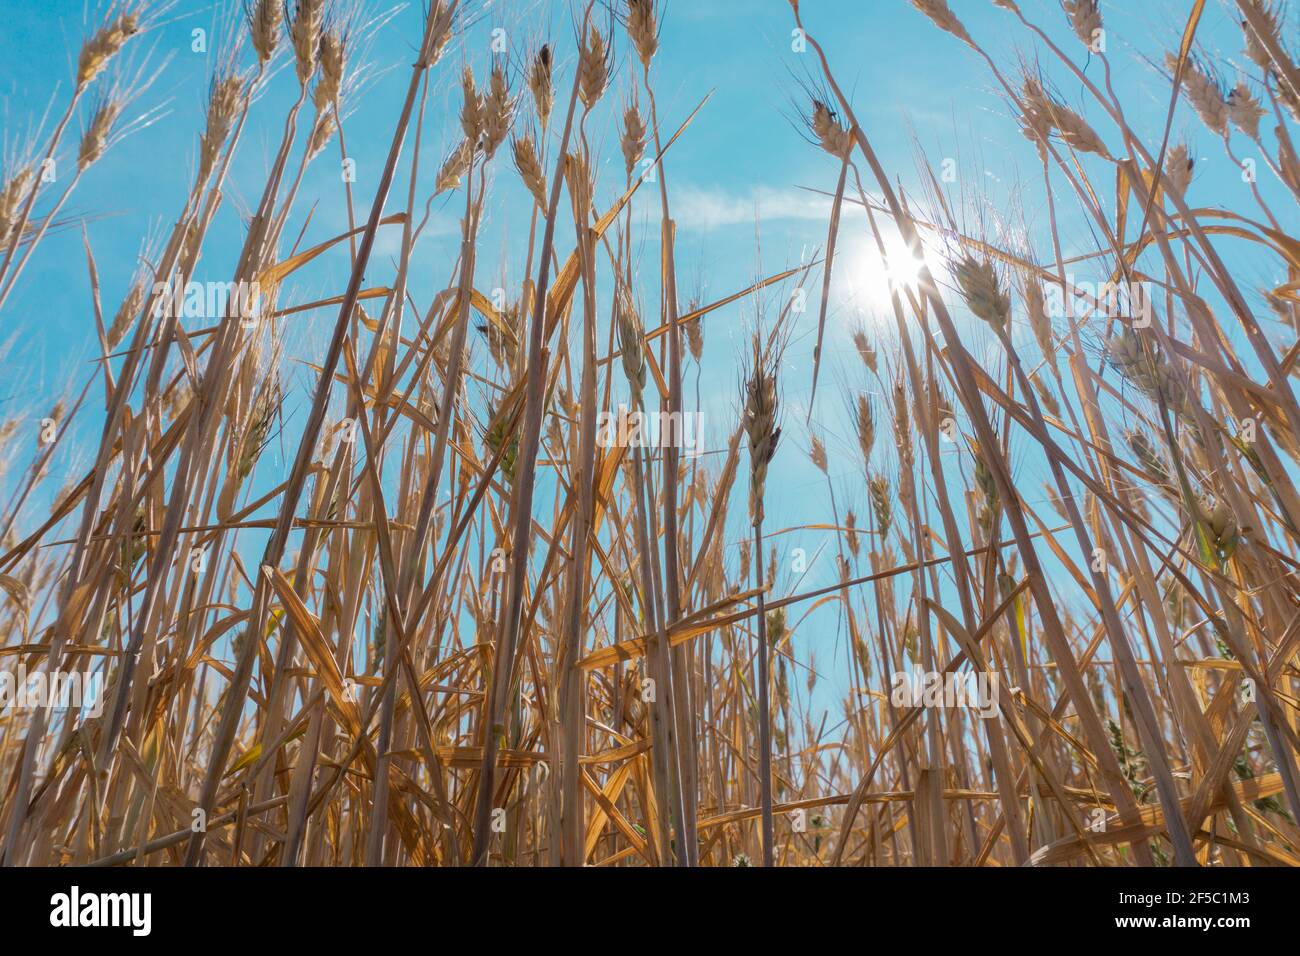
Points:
(715, 207)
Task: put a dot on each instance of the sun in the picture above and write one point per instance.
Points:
(898, 266)
(871, 276)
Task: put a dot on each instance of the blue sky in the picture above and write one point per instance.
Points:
(905, 78)
(911, 85)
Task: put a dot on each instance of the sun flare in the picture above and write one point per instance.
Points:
(874, 275)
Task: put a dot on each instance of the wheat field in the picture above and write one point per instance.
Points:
(480, 576)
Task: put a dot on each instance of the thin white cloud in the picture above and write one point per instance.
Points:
(705, 208)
